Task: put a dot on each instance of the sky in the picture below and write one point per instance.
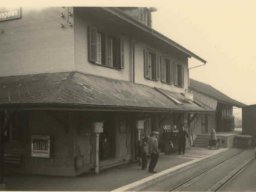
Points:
(223, 33)
(220, 31)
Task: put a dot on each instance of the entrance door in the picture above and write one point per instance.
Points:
(108, 140)
(204, 123)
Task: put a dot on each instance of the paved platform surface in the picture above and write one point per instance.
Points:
(119, 178)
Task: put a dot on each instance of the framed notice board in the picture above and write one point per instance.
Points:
(41, 146)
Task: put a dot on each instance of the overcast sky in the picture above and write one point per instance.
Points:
(220, 31)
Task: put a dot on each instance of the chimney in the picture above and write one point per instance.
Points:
(141, 14)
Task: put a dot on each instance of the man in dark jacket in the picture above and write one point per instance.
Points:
(153, 150)
(182, 140)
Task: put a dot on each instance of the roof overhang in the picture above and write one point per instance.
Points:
(133, 28)
(155, 34)
(77, 91)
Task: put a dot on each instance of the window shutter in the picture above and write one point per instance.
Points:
(121, 53)
(163, 72)
(146, 65)
(171, 72)
(182, 76)
(110, 52)
(92, 44)
(158, 63)
(175, 74)
(118, 53)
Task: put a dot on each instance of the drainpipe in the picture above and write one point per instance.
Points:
(5, 118)
(2, 185)
(98, 128)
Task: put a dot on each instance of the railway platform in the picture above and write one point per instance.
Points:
(126, 177)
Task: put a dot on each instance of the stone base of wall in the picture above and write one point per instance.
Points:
(226, 139)
(51, 171)
(2, 187)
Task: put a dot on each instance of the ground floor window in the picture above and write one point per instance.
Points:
(15, 130)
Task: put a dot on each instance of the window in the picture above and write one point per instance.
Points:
(167, 71)
(104, 49)
(15, 130)
(151, 65)
(178, 75)
(180, 78)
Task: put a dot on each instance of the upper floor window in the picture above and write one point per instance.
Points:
(104, 49)
(172, 73)
(151, 65)
(166, 71)
(180, 74)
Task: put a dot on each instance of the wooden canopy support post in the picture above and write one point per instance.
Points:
(191, 119)
(97, 128)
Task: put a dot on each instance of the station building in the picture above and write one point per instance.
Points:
(80, 86)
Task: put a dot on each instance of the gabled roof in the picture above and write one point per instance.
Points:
(210, 91)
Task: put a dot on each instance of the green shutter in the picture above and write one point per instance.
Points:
(171, 72)
(182, 76)
(175, 74)
(163, 71)
(158, 63)
(111, 52)
(121, 53)
(92, 44)
(146, 65)
(118, 53)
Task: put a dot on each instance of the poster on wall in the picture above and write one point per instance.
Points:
(40, 146)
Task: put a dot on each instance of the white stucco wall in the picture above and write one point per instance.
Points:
(36, 43)
(139, 70)
(81, 50)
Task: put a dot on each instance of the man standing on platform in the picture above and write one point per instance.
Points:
(182, 135)
(153, 150)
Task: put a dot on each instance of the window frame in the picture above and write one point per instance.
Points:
(150, 55)
(168, 72)
(100, 47)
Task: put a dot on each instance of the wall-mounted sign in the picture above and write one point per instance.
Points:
(40, 146)
(140, 124)
(98, 127)
(10, 14)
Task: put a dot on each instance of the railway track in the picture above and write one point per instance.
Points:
(204, 173)
(228, 178)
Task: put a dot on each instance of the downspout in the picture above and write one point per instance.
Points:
(131, 59)
(5, 119)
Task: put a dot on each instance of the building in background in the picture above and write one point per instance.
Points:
(249, 120)
(208, 97)
(80, 86)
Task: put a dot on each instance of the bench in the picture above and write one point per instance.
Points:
(12, 158)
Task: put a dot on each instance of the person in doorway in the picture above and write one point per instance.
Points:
(213, 139)
(154, 151)
(182, 135)
(144, 153)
